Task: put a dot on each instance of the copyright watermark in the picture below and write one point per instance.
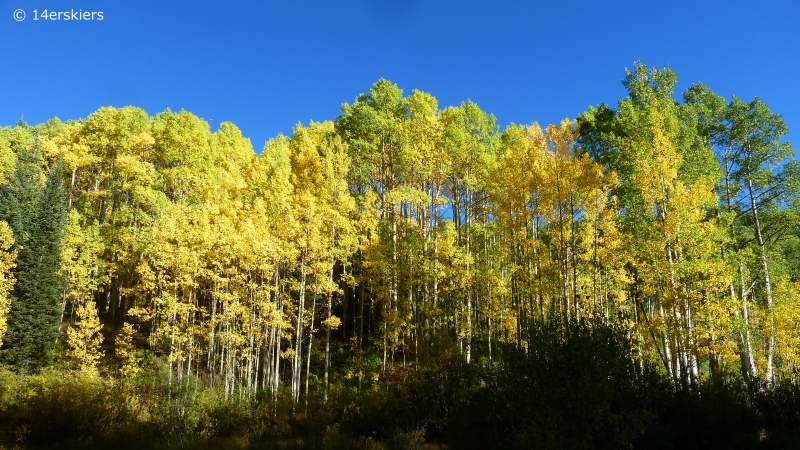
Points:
(73, 15)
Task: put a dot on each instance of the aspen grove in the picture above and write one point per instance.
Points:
(354, 251)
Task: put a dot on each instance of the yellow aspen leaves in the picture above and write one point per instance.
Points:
(7, 257)
(84, 338)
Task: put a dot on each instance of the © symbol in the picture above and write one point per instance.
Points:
(19, 15)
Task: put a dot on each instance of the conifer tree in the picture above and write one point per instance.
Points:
(18, 200)
(37, 217)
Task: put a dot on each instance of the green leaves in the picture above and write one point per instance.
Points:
(408, 226)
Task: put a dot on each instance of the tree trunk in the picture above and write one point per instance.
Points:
(767, 285)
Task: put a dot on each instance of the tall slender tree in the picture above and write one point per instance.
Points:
(755, 154)
(36, 213)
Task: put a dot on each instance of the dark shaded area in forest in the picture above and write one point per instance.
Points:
(574, 387)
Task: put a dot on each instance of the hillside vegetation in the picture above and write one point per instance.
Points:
(405, 276)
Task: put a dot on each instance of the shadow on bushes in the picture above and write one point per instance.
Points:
(574, 387)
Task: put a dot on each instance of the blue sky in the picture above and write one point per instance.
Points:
(267, 65)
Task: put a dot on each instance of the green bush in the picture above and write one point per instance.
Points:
(59, 406)
(573, 387)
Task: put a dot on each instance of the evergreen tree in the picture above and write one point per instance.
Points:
(36, 213)
(18, 200)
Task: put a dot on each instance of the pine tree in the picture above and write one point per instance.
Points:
(37, 217)
(18, 200)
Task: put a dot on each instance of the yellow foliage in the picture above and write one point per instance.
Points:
(84, 338)
(332, 322)
(7, 264)
(126, 350)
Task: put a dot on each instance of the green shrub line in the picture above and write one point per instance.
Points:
(574, 387)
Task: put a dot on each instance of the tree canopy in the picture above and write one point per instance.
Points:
(354, 249)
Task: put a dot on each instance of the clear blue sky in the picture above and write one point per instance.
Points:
(266, 65)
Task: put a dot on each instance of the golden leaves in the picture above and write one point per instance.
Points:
(7, 280)
(84, 339)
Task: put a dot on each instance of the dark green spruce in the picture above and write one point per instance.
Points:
(34, 208)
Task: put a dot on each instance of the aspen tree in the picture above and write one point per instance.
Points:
(7, 263)
(81, 259)
(84, 338)
(109, 174)
(752, 137)
(471, 138)
(667, 175)
(411, 227)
